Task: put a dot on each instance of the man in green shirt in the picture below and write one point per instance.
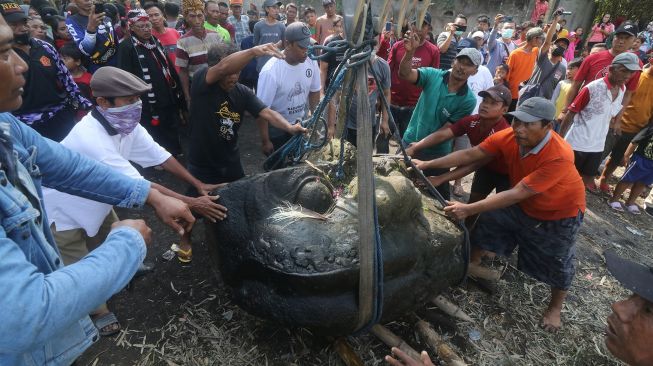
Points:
(212, 22)
(445, 98)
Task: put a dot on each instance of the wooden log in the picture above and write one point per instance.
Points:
(402, 16)
(483, 272)
(392, 340)
(435, 341)
(450, 308)
(346, 353)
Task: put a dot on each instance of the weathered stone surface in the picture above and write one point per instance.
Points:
(303, 271)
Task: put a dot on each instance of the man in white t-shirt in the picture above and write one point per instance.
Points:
(586, 125)
(286, 85)
(111, 134)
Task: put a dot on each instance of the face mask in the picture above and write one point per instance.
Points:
(507, 33)
(458, 33)
(22, 38)
(557, 51)
(123, 119)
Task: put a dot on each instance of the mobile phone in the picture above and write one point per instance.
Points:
(99, 8)
(507, 18)
(388, 26)
(461, 28)
(566, 13)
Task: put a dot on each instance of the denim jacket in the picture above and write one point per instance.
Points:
(44, 307)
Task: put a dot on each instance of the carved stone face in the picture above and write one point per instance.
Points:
(299, 266)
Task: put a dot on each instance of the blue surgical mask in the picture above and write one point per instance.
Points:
(123, 119)
(507, 33)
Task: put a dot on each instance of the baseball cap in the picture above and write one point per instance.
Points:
(535, 109)
(471, 53)
(563, 39)
(268, 3)
(478, 34)
(628, 28)
(298, 32)
(499, 93)
(236, 2)
(111, 81)
(11, 11)
(633, 276)
(427, 19)
(628, 60)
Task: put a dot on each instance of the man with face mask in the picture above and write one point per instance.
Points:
(500, 48)
(549, 69)
(112, 134)
(143, 55)
(51, 99)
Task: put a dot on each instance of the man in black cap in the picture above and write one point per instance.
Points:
(51, 97)
(541, 213)
(596, 66)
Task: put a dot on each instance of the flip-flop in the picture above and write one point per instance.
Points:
(633, 209)
(185, 256)
(104, 321)
(616, 206)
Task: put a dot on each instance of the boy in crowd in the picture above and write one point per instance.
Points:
(563, 87)
(72, 58)
(501, 75)
(639, 173)
(589, 116)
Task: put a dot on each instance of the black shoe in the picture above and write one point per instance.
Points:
(144, 269)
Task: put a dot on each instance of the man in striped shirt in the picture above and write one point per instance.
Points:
(193, 46)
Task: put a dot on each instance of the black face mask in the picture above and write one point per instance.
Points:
(557, 51)
(22, 39)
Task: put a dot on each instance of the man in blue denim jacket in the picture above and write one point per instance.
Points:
(45, 306)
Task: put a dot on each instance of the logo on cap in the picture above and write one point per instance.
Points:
(306, 31)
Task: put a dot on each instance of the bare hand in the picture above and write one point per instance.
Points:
(204, 189)
(297, 129)
(457, 210)
(626, 160)
(561, 116)
(331, 133)
(411, 41)
(267, 147)
(139, 225)
(405, 360)
(451, 28)
(419, 164)
(171, 211)
(206, 206)
(498, 19)
(385, 129)
(411, 150)
(268, 49)
(94, 20)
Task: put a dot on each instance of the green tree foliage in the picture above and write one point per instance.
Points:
(637, 10)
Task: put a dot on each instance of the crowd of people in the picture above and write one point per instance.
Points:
(535, 111)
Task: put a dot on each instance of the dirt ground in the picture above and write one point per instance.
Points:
(181, 315)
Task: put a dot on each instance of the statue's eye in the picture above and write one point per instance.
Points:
(314, 195)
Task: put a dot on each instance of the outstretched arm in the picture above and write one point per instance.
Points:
(235, 62)
(456, 158)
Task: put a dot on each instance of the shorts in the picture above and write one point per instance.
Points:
(485, 180)
(587, 163)
(640, 170)
(401, 116)
(619, 148)
(547, 249)
(75, 244)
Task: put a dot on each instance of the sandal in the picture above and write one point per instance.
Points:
(104, 324)
(633, 209)
(616, 205)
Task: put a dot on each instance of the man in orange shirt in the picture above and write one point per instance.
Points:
(521, 62)
(543, 210)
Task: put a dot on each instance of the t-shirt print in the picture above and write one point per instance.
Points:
(226, 120)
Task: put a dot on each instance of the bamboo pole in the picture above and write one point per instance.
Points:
(450, 308)
(392, 340)
(433, 339)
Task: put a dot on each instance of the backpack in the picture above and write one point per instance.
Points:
(530, 90)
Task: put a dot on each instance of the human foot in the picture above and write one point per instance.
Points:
(551, 321)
